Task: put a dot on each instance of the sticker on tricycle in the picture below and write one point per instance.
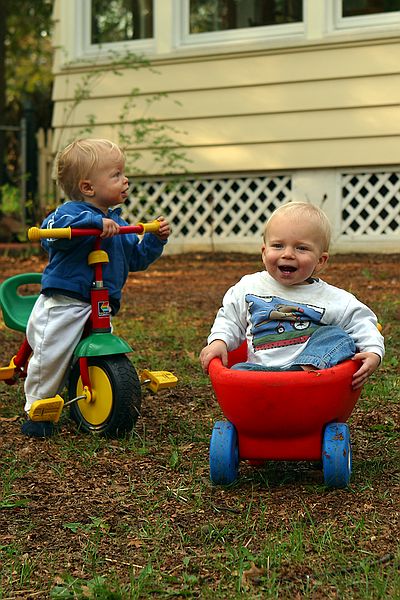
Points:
(103, 308)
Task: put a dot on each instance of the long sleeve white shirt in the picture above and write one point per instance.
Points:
(277, 321)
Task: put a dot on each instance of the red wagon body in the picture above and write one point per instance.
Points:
(281, 416)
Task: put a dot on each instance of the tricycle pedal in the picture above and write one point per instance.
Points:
(8, 372)
(48, 409)
(157, 380)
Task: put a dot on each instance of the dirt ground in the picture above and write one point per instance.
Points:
(198, 282)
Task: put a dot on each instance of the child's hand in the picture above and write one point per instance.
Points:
(164, 230)
(370, 362)
(217, 348)
(110, 228)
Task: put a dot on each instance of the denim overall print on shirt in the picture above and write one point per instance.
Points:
(276, 323)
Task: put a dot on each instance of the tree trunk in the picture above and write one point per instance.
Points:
(3, 29)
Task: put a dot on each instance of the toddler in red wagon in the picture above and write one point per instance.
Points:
(290, 318)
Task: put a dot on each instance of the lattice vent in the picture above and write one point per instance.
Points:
(370, 204)
(202, 208)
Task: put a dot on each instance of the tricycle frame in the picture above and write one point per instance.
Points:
(104, 387)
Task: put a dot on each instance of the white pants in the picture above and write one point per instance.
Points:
(54, 329)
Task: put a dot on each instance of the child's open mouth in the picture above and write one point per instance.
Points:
(287, 269)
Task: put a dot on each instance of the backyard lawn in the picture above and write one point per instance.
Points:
(87, 517)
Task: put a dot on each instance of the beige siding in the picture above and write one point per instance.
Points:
(314, 106)
(310, 63)
(219, 130)
(297, 96)
(278, 156)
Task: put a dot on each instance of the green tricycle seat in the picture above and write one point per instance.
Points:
(16, 307)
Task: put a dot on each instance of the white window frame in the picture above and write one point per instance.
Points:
(322, 20)
(184, 39)
(377, 21)
(76, 37)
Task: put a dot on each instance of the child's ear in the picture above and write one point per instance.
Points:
(263, 255)
(323, 259)
(86, 188)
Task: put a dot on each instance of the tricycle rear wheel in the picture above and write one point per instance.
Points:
(116, 404)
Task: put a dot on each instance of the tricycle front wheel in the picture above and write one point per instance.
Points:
(116, 402)
(336, 455)
(224, 453)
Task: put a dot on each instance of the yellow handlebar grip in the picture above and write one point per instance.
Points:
(151, 227)
(35, 234)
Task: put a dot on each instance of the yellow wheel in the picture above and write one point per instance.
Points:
(115, 404)
(96, 412)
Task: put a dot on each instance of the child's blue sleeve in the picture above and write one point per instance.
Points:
(70, 214)
(144, 253)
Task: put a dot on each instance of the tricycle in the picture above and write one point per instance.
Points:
(282, 416)
(104, 388)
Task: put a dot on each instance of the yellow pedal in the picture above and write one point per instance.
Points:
(158, 380)
(7, 372)
(48, 409)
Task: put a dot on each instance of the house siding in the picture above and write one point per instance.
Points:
(258, 111)
(303, 108)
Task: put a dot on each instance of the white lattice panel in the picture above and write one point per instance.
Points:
(370, 204)
(204, 208)
(229, 213)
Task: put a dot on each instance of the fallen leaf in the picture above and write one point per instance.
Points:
(252, 576)
(135, 543)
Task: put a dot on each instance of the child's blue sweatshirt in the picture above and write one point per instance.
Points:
(68, 272)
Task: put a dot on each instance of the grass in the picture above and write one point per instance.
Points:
(168, 340)
(85, 517)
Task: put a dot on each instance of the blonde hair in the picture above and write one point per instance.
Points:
(78, 160)
(305, 210)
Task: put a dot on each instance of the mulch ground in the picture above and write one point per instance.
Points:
(197, 282)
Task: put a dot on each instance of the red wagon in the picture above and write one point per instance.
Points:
(294, 415)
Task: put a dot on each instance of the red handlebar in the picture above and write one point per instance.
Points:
(35, 233)
(75, 232)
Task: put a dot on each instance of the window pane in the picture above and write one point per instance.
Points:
(352, 8)
(121, 20)
(219, 15)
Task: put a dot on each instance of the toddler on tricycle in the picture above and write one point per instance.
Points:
(91, 251)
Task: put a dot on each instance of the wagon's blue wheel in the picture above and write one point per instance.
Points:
(336, 455)
(224, 453)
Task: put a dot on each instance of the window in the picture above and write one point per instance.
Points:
(121, 20)
(210, 22)
(356, 14)
(220, 15)
(99, 28)
(352, 8)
